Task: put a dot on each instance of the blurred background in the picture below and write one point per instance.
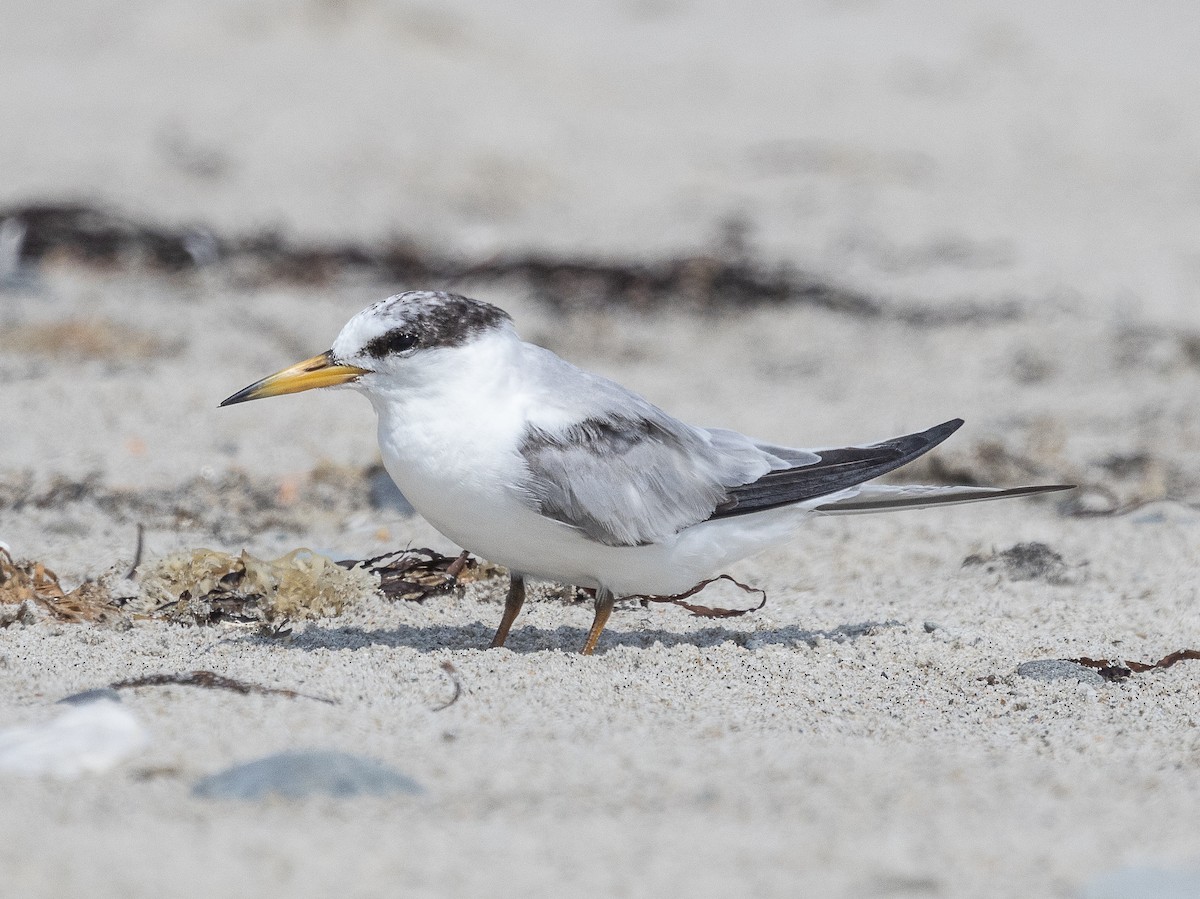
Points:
(816, 222)
(936, 150)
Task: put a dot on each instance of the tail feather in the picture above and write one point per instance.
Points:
(887, 497)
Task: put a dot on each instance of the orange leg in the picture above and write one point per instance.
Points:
(512, 607)
(604, 606)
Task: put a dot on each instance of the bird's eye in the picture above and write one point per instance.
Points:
(391, 343)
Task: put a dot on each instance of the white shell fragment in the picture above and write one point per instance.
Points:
(85, 739)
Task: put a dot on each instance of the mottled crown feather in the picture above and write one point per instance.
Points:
(429, 319)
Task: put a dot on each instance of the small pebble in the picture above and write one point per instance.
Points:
(1144, 882)
(1059, 669)
(91, 696)
(296, 775)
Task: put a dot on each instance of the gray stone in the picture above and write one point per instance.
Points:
(91, 696)
(296, 775)
(1059, 669)
(1143, 882)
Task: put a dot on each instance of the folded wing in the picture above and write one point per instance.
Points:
(640, 476)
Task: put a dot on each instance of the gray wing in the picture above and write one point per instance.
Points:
(628, 479)
(603, 459)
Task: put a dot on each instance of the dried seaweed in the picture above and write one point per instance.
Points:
(1120, 669)
(726, 277)
(414, 575)
(204, 585)
(28, 581)
(210, 680)
(707, 611)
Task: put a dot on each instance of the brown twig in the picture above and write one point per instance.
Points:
(452, 672)
(707, 611)
(1119, 670)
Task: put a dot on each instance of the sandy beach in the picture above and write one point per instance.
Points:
(986, 213)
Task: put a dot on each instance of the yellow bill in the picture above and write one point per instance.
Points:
(319, 371)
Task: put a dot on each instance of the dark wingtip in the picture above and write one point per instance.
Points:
(918, 444)
(945, 429)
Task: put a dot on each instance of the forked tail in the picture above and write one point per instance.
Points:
(843, 468)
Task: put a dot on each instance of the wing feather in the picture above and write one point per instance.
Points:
(837, 470)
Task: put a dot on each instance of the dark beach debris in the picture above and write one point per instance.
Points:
(726, 277)
(1118, 670)
(455, 681)
(416, 574)
(99, 237)
(707, 611)
(210, 680)
(1026, 562)
(1059, 669)
(23, 582)
(706, 281)
(304, 773)
(277, 630)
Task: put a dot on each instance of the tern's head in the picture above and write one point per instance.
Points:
(389, 344)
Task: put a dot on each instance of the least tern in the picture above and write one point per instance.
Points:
(562, 475)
